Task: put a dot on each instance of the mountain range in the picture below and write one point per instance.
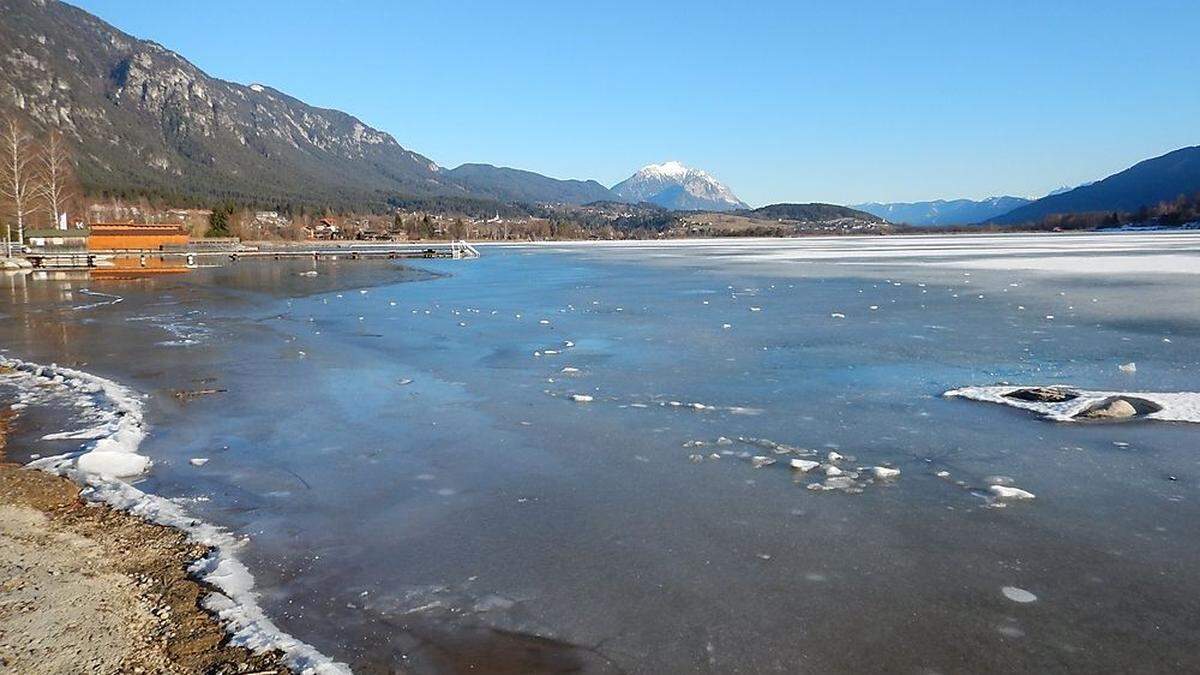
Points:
(1147, 183)
(943, 212)
(143, 120)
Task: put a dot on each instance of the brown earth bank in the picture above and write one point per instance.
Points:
(87, 589)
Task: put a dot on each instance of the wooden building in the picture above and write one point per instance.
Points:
(135, 237)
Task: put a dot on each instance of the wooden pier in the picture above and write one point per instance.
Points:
(455, 250)
(102, 260)
(62, 261)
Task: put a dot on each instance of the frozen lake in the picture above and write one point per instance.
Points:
(424, 485)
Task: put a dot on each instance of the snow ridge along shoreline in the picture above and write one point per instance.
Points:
(111, 454)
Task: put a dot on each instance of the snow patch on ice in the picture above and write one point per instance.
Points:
(1174, 406)
(115, 413)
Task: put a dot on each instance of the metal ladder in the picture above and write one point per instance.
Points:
(461, 249)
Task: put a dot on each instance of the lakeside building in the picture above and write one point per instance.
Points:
(325, 229)
(136, 237)
(56, 242)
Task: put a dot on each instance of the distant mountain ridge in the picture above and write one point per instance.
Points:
(814, 212)
(1147, 183)
(507, 184)
(942, 211)
(675, 186)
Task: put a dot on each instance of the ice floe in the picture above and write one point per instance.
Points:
(850, 480)
(804, 465)
(885, 473)
(1018, 594)
(1009, 492)
(1068, 404)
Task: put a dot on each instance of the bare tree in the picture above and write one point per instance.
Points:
(55, 175)
(18, 184)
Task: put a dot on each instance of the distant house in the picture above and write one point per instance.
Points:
(325, 229)
(135, 237)
(368, 234)
(56, 242)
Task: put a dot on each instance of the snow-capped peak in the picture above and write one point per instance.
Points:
(671, 169)
(675, 186)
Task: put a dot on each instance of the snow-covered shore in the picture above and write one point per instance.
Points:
(109, 455)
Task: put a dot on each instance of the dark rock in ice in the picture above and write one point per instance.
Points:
(1043, 394)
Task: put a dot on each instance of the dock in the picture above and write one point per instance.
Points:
(103, 260)
(454, 250)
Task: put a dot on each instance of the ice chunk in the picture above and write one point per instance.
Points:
(1130, 367)
(581, 398)
(1008, 492)
(839, 483)
(759, 461)
(1018, 594)
(804, 465)
(885, 473)
(198, 461)
(113, 464)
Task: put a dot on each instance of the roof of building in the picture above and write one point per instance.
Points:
(137, 228)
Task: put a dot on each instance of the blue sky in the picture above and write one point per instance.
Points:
(784, 101)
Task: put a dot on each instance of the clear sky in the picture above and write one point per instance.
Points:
(783, 101)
